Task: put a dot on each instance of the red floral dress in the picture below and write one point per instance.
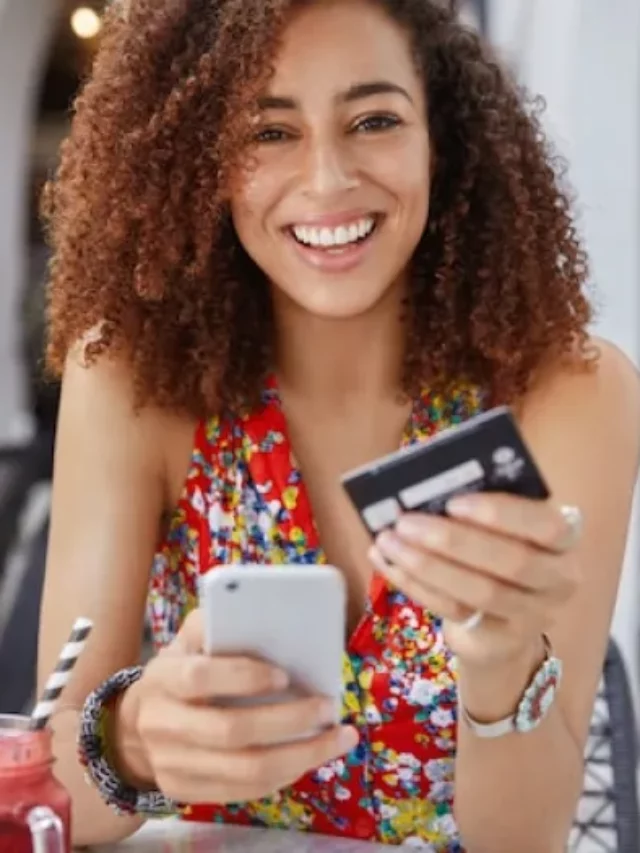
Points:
(244, 502)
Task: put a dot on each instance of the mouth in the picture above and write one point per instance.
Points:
(338, 248)
(336, 239)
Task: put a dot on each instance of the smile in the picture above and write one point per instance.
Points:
(344, 235)
(336, 248)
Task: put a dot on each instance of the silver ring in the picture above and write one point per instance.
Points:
(574, 522)
(473, 621)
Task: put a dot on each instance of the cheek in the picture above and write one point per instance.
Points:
(412, 187)
(244, 205)
(252, 196)
(407, 174)
(414, 173)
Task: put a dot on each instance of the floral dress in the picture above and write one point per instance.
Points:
(244, 502)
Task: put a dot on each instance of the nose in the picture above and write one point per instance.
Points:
(328, 168)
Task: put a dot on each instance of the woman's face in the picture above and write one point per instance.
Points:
(337, 194)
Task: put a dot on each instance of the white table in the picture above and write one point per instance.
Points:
(174, 836)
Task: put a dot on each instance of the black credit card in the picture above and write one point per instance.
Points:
(484, 454)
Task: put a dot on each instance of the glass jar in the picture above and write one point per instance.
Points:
(35, 809)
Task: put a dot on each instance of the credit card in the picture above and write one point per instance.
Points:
(487, 453)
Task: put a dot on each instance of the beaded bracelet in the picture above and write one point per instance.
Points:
(93, 752)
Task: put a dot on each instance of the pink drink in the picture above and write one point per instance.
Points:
(35, 810)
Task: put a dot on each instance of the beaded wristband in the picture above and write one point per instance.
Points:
(93, 752)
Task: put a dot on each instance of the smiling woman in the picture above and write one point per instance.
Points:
(290, 237)
(346, 162)
(182, 112)
(337, 236)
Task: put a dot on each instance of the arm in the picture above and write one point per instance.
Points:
(107, 502)
(520, 792)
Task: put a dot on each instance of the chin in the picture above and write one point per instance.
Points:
(341, 302)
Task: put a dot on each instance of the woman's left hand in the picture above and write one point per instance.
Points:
(510, 558)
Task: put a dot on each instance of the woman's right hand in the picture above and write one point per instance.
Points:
(170, 735)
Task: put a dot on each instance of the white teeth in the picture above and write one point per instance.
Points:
(343, 235)
(326, 237)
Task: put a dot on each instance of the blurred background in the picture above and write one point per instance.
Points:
(583, 56)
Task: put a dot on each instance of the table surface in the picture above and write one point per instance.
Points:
(175, 836)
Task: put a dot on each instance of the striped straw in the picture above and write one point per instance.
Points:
(59, 678)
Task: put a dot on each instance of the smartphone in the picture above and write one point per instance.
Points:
(487, 453)
(292, 616)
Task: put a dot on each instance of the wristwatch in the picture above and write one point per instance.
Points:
(534, 706)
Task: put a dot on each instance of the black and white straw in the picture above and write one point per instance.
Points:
(59, 678)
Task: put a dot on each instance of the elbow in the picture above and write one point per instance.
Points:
(94, 830)
(529, 828)
(498, 838)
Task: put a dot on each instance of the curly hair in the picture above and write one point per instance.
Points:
(143, 243)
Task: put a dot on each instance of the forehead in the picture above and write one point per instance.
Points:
(332, 43)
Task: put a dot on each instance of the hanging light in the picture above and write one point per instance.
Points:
(86, 23)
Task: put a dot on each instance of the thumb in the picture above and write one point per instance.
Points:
(190, 638)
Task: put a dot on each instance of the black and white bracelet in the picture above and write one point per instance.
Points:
(93, 753)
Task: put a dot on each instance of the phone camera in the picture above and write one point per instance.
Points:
(232, 586)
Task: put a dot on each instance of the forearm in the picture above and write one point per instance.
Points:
(93, 821)
(516, 792)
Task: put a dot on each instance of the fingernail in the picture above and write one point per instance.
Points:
(388, 544)
(410, 526)
(348, 738)
(280, 679)
(377, 559)
(462, 506)
(422, 530)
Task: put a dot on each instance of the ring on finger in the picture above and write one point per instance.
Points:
(574, 523)
(473, 621)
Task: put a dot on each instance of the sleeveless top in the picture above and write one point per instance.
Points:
(244, 501)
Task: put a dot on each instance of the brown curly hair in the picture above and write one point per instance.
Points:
(143, 241)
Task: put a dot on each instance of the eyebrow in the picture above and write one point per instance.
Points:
(354, 93)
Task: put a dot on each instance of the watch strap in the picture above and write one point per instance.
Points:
(533, 707)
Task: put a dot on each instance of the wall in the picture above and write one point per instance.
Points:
(584, 57)
(25, 26)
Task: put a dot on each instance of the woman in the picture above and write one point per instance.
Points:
(305, 234)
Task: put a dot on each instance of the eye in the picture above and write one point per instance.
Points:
(270, 135)
(376, 123)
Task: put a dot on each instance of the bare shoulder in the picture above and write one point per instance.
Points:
(98, 413)
(596, 406)
(105, 388)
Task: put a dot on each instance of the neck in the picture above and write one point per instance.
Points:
(336, 361)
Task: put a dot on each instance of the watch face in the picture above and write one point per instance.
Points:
(539, 696)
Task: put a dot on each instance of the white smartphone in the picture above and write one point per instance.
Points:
(292, 616)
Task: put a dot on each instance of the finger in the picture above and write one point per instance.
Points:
(541, 523)
(473, 589)
(190, 637)
(272, 724)
(419, 591)
(194, 775)
(513, 561)
(183, 787)
(278, 766)
(200, 677)
(226, 729)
